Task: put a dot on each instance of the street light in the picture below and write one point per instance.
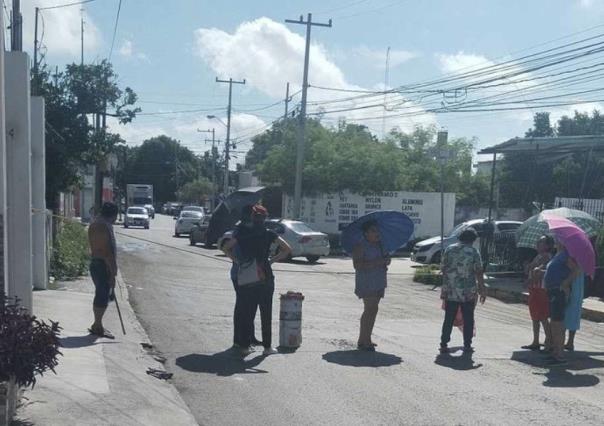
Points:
(213, 163)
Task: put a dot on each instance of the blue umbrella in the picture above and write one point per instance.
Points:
(395, 230)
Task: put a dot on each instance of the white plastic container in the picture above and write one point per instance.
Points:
(290, 320)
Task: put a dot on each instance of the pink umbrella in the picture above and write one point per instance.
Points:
(576, 242)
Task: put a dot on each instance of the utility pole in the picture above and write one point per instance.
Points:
(302, 128)
(35, 88)
(16, 27)
(443, 156)
(82, 36)
(214, 183)
(287, 100)
(230, 81)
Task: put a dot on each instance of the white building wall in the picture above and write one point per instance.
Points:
(38, 194)
(18, 167)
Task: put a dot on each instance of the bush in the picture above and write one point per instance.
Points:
(70, 255)
(429, 274)
(600, 248)
(28, 346)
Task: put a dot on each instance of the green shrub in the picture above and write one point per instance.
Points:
(70, 254)
(429, 274)
(600, 247)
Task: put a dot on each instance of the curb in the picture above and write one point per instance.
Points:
(515, 297)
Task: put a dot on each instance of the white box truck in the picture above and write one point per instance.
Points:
(139, 195)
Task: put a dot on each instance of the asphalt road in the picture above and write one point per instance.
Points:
(184, 299)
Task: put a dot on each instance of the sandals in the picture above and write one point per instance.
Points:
(532, 347)
(366, 348)
(101, 333)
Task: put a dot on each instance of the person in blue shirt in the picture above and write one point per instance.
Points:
(560, 273)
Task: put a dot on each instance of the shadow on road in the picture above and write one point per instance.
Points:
(356, 358)
(562, 377)
(224, 364)
(463, 362)
(73, 342)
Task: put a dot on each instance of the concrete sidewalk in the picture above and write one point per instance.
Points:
(513, 290)
(99, 382)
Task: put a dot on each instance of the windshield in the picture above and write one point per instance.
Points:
(456, 231)
(193, 209)
(300, 227)
(190, 214)
(137, 210)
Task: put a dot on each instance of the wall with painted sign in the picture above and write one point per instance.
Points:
(330, 213)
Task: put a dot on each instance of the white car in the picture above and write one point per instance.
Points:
(136, 216)
(151, 210)
(304, 241)
(193, 209)
(187, 220)
(429, 251)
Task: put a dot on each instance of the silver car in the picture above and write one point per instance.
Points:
(429, 251)
(187, 221)
(304, 241)
(136, 216)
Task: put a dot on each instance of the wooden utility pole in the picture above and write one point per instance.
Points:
(227, 147)
(302, 128)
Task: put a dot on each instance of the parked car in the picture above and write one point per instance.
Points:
(186, 221)
(150, 210)
(429, 251)
(304, 241)
(198, 232)
(136, 216)
(194, 209)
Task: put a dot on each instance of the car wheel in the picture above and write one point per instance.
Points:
(436, 257)
(177, 234)
(147, 227)
(312, 259)
(191, 240)
(126, 225)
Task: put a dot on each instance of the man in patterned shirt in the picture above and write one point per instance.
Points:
(463, 285)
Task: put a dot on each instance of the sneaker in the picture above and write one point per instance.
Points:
(468, 350)
(366, 348)
(246, 351)
(444, 349)
(270, 351)
(256, 342)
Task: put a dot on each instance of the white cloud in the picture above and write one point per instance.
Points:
(268, 55)
(377, 57)
(588, 3)
(128, 50)
(59, 29)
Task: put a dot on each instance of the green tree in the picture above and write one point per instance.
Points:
(164, 163)
(196, 191)
(75, 100)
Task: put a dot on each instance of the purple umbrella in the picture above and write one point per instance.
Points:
(576, 242)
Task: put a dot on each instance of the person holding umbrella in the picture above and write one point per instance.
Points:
(575, 255)
(370, 240)
(371, 267)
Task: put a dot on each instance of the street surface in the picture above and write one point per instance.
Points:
(184, 299)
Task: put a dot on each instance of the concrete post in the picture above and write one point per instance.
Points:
(3, 257)
(38, 193)
(18, 169)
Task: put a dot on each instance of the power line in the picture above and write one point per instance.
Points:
(67, 5)
(117, 19)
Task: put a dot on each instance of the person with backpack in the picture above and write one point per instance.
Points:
(250, 248)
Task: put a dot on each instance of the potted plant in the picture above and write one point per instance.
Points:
(28, 347)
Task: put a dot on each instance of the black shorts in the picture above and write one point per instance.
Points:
(557, 304)
(100, 276)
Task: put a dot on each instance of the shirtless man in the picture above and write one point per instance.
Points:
(103, 264)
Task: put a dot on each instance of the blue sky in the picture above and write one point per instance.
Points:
(171, 52)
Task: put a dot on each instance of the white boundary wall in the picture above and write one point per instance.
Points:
(330, 213)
